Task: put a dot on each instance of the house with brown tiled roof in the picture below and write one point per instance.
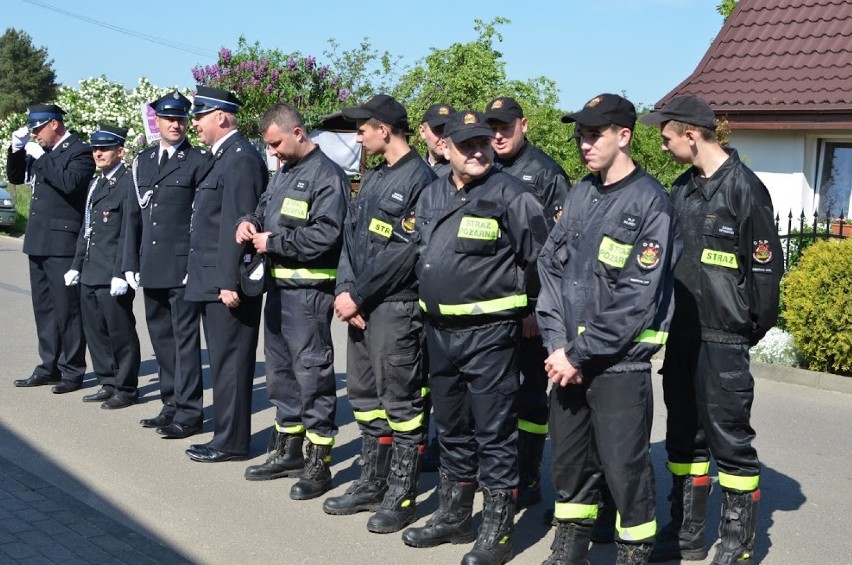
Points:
(780, 72)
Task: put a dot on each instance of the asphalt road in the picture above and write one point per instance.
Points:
(208, 513)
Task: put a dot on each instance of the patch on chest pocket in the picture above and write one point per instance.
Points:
(613, 253)
(294, 208)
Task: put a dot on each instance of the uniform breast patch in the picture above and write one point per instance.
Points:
(613, 253)
(472, 227)
(719, 258)
(649, 255)
(629, 221)
(302, 185)
(294, 208)
(380, 228)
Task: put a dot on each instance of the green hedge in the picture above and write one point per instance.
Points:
(817, 296)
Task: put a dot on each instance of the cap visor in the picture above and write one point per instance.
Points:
(470, 133)
(653, 118)
(498, 116)
(355, 114)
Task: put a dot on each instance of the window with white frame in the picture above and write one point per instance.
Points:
(835, 178)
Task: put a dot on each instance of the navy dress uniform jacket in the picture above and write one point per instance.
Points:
(61, 177)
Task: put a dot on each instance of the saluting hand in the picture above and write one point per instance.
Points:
(561, 371)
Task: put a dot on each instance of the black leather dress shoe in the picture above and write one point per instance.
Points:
(103, 394)
(207, 454)
(64, 386)
(36, 380)
(119, 400)
(176, 430)
(157, 421)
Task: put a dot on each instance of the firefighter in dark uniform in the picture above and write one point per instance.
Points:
(376, 294)
(726, 296)
(166, 176)
(431, 131)
(230, 189)
(106, 299)
(59, 167)
(480, 232)
(515, 155)
(605, 305)
(298, 225)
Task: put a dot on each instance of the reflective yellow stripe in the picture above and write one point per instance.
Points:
(292, 430)
(317, 274)
(580, 329)
(478, 228)
(484, 307)
(422, 305)
(719, 258)
(318, 439)
(370, 415)
(652, 336)
(736, 482)
(294, 208)
(613, 253)
(424, 391)
(530, 427)
(408, 426)
(381, 228)
(696, 469)
(572, 511)
(641, 532)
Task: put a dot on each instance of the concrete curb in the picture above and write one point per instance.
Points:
(802, 377)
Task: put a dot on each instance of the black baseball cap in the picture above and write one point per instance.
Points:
(689, 109)
(465, 125)
(604, 110)
(503, 109)
(380, 107)
(437, 115)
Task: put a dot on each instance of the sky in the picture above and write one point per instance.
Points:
(643, 48)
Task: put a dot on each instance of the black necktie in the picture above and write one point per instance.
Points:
(164, 158)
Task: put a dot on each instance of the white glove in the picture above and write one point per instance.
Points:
(117, 286)
(20, 137)
(33, 149)
(72, 277)
(132, 279)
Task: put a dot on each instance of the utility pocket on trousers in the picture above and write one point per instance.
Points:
(736, 381)
(316, 358)
(402, 378)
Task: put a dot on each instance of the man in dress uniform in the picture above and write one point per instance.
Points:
(298, 226)
(515, 155)
(479, 232)
(59, 167)
(230, 190)
(107, 301)
(377, 297)
(166, 177)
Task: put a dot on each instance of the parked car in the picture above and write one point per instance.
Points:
(7, 207)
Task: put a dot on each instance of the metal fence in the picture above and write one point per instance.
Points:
(799, 234)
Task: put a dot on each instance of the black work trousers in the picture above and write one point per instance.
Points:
(474, 375)
(59, 324)
(532, 396)
(110, 328)
(173, 325)
(384, 373)
(601, 430)
(300, 358)
(709, 391)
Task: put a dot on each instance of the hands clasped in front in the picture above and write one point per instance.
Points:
(561, 371)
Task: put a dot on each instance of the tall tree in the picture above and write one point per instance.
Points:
(26, 74)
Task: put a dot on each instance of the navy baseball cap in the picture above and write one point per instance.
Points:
(688, 109)
(465, 125)
(172, 105)
(380, 107)
(208, 99)
(108, 136)
(604, 110)
(504, 109)
(437, 115)
(40, 114)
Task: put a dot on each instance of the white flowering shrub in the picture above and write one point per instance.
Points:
(776, 347)
(95, 100)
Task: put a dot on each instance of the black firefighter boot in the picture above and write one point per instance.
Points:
(398, 508)
(736, 530)
(284, 458)
(683, 537)
(494, 543)
(453, 521)
(632, 553)
(316, 478)
(604, 529)
(530, 451)
(366, 493)
(571, 544)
